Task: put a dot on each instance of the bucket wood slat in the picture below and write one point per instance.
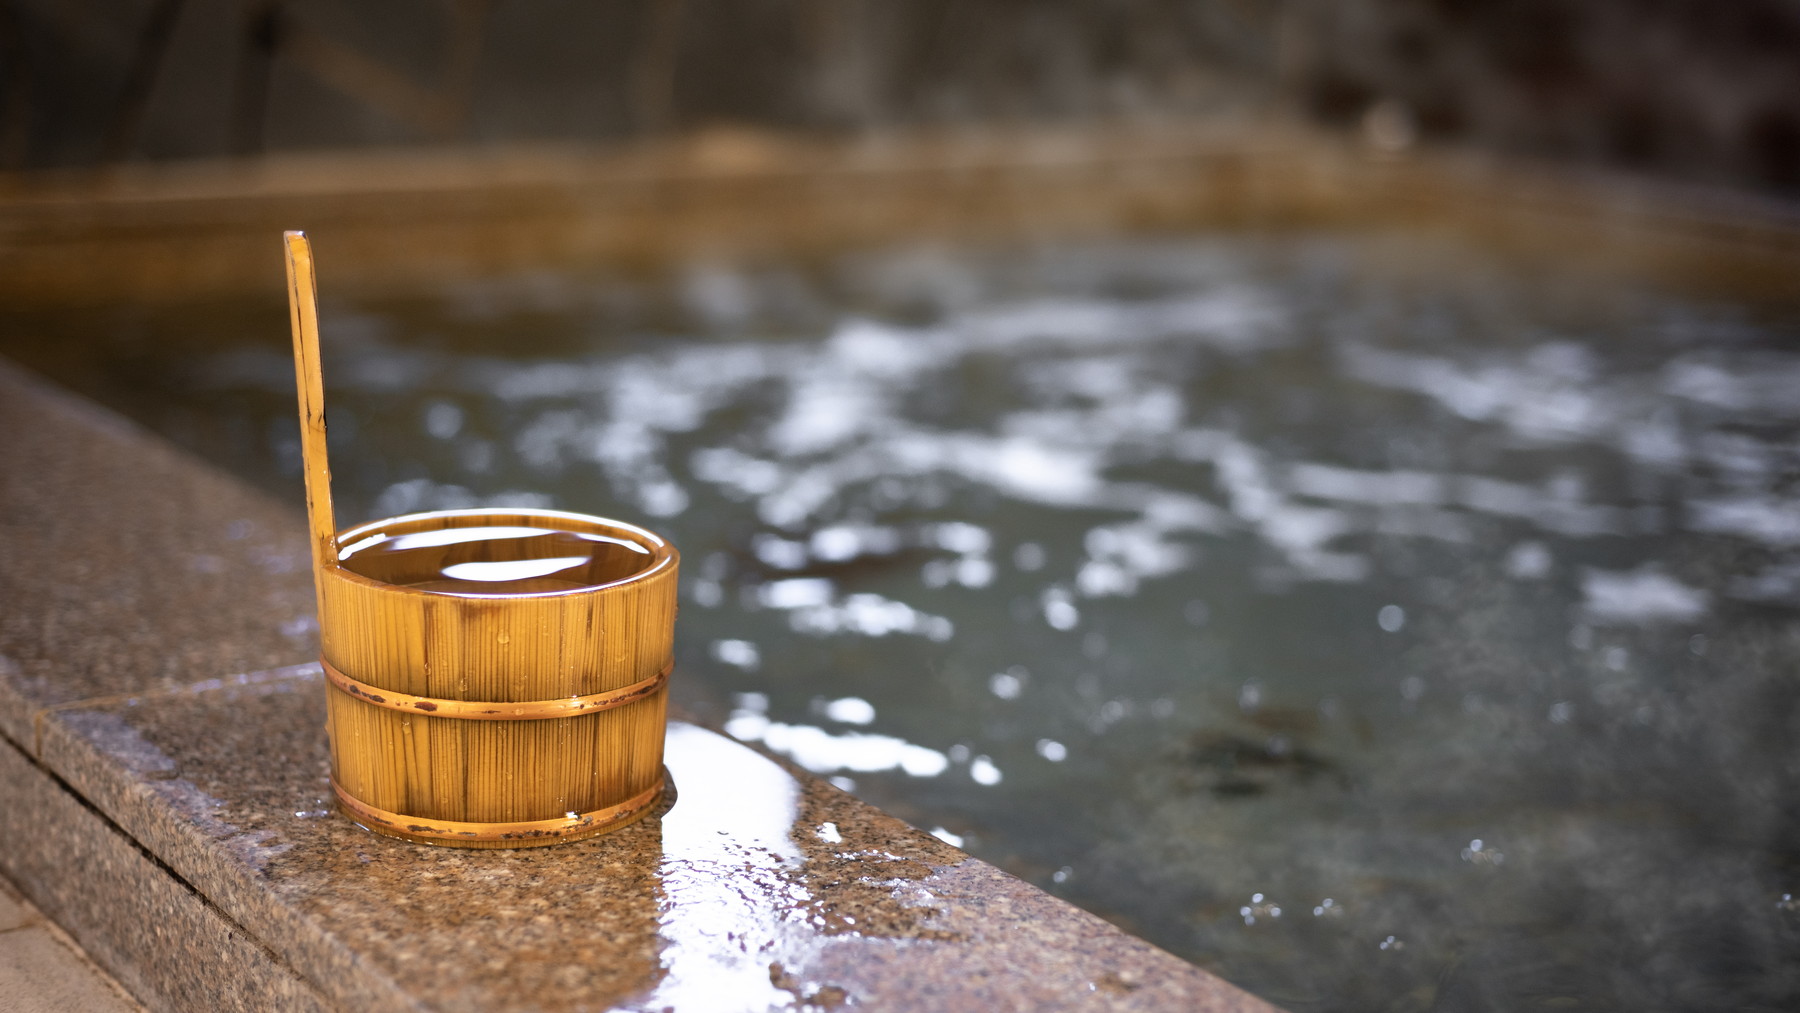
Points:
(498, 782)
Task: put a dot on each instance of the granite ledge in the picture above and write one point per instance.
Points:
(110, 589)
(757, 888)
(152, 932)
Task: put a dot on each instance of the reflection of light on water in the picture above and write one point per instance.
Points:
(518, 569)
(822, 752)
(1259, 908)
(1007, 685)
(983, 772)
(1639, 596)
(721, 928)
(799, 592)
(810, 600)
(1764, 519)
(1190, 499)
(738, 654)
(1391, 618)
(1480, 852)
(850, 710)
(844, 423)
(1528, 561)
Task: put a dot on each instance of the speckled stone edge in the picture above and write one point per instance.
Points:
(118, 785)
(169, 946)
(129, 566)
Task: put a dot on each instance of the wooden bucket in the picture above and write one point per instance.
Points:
(499, 720)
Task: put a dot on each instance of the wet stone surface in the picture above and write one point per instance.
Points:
(754, 888)
(162, 941)
(128, 565)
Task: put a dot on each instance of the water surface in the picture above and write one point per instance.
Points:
(1374, 622)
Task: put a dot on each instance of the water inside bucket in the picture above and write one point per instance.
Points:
(494, 559)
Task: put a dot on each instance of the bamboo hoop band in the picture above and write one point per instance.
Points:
(481, 710)
(541, 831)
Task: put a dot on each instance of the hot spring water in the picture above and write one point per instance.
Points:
(1377, 624)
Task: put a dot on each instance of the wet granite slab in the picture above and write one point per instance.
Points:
(150, 930)
(169, 785)
(756, 888)
(127, 565)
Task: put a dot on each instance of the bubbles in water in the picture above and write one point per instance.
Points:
(1479, 852)
(1052, 750)
(1258, 908)
(1391, 618)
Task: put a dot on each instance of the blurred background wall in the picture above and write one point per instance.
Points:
(1693, 89)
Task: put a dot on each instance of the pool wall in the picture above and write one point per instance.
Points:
(395, 220)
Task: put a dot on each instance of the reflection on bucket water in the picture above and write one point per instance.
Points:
(1379, 626)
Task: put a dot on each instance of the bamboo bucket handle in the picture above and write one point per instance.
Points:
(303, 313)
